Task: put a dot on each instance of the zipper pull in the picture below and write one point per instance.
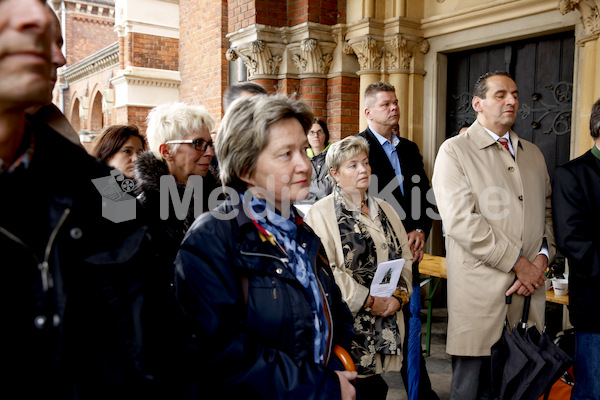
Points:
(46, 277)
(274, 291)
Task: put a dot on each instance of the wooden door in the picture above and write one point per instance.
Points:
(543, 70)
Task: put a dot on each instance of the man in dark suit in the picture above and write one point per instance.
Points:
(397, 164)
(399, 175)
(576, 211)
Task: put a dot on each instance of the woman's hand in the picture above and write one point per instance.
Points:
(385, 306)
(348, 390)
(379, 306)
(393, 305)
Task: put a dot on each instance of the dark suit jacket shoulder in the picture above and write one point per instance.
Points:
(576, 214)
(415, 179)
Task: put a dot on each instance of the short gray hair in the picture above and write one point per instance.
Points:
(374, 88)
(345, 149)
(244, 133)
(174, 121)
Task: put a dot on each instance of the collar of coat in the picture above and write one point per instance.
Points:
(596, 151)
(263, 234)
(482, 139)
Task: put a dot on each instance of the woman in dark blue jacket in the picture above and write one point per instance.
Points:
(251, 275)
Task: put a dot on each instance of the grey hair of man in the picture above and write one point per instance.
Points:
(595, 120)
(345, 149)
(244, 133)
(175, 121)
(374, 88)
(481, 86)
(239, 89)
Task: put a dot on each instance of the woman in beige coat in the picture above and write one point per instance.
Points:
(359, 232)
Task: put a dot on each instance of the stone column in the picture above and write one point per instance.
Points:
(398, 59)
(589, 94)
(403, 57)
(370, 54)
(590, 85)
(312, 58)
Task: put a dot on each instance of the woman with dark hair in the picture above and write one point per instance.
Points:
(318, 139)
(119, 146)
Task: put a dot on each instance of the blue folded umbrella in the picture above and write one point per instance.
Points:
(413, 366)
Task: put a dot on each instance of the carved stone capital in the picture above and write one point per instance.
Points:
(590, 16)
(231, 55)
(257, 57)
(400, 50)
(309, 57)
(368, 51)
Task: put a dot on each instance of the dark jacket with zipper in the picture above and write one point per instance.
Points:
(77, 286)
(251, 316)
(168, 232)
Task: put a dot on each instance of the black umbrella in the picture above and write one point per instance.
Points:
(525, 363)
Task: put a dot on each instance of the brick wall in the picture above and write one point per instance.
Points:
(270, 12)
(270, 85)
(150, 51)
(203, 66)
(313, 91)
(335, 99)
(132, 115)
(241, 13)
(319, 11)
(343, 106)
(87, 30)
(137, 116)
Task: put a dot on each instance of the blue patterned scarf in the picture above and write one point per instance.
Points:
(286, 232)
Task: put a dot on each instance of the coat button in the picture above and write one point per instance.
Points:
(279, 271)
(511, 169)
(76, 233)
(383, 246)
(303, 245)
(39, 321)
(521, 197)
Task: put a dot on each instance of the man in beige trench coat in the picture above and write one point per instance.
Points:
(494, 200)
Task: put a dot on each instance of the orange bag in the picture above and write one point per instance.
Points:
(561, 389)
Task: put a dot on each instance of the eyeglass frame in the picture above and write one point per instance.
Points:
(316, 133)
(195, 142)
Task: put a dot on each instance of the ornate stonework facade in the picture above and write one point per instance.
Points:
(326, 53)
(127, 56)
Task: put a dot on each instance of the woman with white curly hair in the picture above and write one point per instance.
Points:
(180, 147)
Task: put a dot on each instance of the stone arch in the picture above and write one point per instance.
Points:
(74, 115)
(96, 115)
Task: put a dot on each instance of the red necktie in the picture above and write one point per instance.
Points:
(504, 142)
